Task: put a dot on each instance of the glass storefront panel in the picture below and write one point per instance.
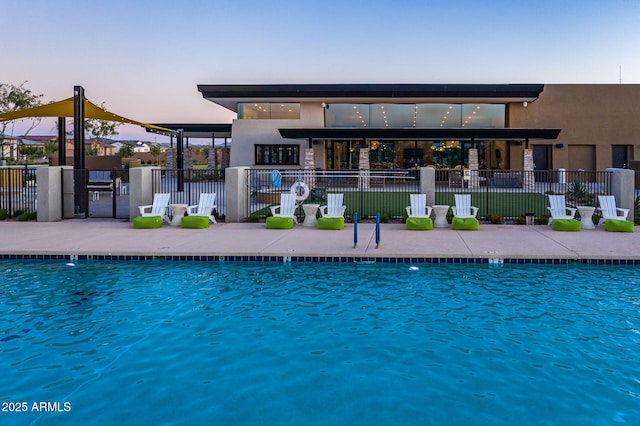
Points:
(268, 111)
(285, 111)
(386, 154)
(393, 115)
(347, 115)
(483, 116)
(438, 115)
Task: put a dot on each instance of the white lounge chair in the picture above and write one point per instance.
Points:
(205, 206)
(287, 206)
(160, 207)
(418, 207)
(608, 209)
(558, 208)
(334, 207)
(463, 207)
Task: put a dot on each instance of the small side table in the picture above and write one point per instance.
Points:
(310, 211)
(177, 213)
(586, 217)
(441, 216)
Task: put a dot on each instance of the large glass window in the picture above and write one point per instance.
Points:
(268, 111)
(483, 116)
(288, 155)
(393, 115)
(438, 115)
(347, 115)
(379, 116)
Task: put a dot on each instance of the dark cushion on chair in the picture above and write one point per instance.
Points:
(147, 222)
(195, 222)
(419, 224)
(617, 225)
(277, 222)
(565, 225)
(465, 224)
(336, 223)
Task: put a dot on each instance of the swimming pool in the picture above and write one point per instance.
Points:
(318, 343)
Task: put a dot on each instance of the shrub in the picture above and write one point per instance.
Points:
(252, 218)
(4, 214)
(520, 220)
(25, 216)
(542, 220)
(496, 219)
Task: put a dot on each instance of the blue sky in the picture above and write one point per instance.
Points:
(144, 59)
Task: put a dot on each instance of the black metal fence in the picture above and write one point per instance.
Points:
(513, 194)
(367, 192)
(18, 191)
(185, 186)
(507, 195)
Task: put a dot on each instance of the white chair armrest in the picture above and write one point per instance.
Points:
(428, 212)
(408, 208)
(274, 210)
(323, 210)
(474, 211)
(624, 212)
(572, 211)
(191, 210)
(143, 208)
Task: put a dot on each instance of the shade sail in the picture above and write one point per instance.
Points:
(64, 108)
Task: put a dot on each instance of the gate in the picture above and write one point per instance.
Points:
(101, 193)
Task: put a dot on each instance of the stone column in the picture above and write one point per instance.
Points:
(474, 181)
(528, 178)
(187, 156)
(236, 194)
(171, 158)
(309, 174)
(211, 159)
(364, 176)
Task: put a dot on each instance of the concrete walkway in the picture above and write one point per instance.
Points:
(111, 238)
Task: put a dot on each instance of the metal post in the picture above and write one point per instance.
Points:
(78, 127)
(355, 229)
(180, 160)
(62, 141)
(81, 200)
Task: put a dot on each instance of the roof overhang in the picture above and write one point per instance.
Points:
(197, 130)
(229, 96)
(509, 134)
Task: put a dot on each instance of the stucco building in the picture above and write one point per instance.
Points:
(581, 126)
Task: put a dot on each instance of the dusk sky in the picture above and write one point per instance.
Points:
(144, 59)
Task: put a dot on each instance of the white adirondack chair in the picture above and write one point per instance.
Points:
(463, 207)
(287, 206)
(160, 206)
(205, 206)
(418, 207)
(608, 209)
(558, 208)
(334, 207)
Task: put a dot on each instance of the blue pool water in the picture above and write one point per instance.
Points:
(319, 344)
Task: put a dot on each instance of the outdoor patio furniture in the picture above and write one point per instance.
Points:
(160, 207)
(558, 208)
(206, 205)
(609, 210)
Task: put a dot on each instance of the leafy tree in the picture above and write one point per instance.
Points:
(31, 152)
(155, 150)
(126, 150)
(14, 98)
(101, 129)
(51, 147)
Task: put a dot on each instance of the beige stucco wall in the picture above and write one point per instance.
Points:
(600, 115)
(247, 133)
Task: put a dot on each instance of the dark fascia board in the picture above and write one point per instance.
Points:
(228, 95)
(465, 134)
(198, 130)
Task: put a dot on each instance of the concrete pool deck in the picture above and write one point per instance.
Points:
(106, 237)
